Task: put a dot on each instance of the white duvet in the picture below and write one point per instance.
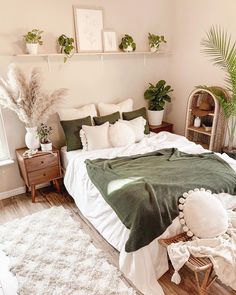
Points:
(145, 266)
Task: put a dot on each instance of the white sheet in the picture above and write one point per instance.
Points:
(67, 156)
(145, 266)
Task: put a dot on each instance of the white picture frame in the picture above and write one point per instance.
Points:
(88, 29)
(110, 41)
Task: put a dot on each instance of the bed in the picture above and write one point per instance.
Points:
(146, 265)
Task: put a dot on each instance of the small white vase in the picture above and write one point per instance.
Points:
(155, 117)
(128, 49)
(32, 48)
(46, 147)
(31, 138)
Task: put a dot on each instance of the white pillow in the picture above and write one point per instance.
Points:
(107, 108)
(95, 137)
(121, 134)
(66, 114)
(203, 215)
(137, 125)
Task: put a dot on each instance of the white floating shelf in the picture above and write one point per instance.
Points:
(95, 53)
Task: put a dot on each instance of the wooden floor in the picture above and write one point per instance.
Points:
(19, 206)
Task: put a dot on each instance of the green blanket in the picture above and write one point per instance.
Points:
(144, 190)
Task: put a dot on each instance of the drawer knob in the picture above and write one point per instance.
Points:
(44, 174)
(42, 162)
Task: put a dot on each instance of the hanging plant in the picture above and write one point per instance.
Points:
(66, 46)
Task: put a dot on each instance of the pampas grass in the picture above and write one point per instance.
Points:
(25, 97)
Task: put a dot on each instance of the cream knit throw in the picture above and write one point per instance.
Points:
(51, 255)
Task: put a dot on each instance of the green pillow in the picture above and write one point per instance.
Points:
(135, 114)
(72, 129)
(112, 118)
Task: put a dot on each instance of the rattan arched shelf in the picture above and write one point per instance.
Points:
(212, 139)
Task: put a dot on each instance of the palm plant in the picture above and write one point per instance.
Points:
(218, 45)
(25, 97)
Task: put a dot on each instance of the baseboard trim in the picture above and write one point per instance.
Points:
(18, 191)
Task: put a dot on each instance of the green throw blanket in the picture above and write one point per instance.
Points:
(144, 190)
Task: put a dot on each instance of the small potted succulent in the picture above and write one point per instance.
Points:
(127, 44)
(44, 132)
(157, 95)
(66, 46)
(155, 41)
(33, 39)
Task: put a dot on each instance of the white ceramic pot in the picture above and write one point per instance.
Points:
(46, 147)
(31, 138)
(155, 117)
(154, 48)
(128, 49)
(32, 48)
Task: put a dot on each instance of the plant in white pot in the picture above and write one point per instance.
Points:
(44, 132)
(127, 44)
(155, 41)
(33, 39)
(24, 96)
(157, 96)
(66, 46)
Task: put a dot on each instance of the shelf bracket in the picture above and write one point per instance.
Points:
(48, 62)
(144, 60)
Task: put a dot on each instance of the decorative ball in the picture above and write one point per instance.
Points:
(181, 214)
(182, 200)
(203, 215)
(185, 195)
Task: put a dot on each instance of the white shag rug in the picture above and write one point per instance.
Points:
(51, 255)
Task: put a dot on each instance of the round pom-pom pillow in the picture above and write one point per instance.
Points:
(202, 214)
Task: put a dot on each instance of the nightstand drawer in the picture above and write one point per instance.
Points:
(44, 175)
(41, 162)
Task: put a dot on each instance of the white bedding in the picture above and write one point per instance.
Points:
(145, 266)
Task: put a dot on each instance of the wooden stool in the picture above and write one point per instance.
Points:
(197, 265)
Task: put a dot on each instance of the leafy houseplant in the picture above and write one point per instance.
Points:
(155, 41)
(25, 97)
(157, 96)
(127, 43)
(218, 45)
(44, 132)
(33, 39)
(66, 46)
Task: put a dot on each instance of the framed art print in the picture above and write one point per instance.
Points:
(110, 43)
(88, 28)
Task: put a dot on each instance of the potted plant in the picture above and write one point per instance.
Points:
(24, 96)
(33, 39)
(66, 46)
(155, 41)
(218, 45)
(157, 95)
(127, 43)
(44, 132)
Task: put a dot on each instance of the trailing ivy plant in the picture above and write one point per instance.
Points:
(222, 51)
(157, 95)
(34, 37)
(155, 40)
(127, 41)
(66, 46)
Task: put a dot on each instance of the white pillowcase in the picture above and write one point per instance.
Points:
(107, 108)
(138, 127)
(121, 134)
(95, 137)
(66, 114)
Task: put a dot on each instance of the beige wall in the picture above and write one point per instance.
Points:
(191, 19)
(88, 78)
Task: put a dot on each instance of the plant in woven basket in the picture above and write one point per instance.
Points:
(218, 45)
(25, 97)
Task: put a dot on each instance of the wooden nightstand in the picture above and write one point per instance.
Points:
(41, 168)
(163, 127)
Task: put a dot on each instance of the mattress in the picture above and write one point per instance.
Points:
(67, 156)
